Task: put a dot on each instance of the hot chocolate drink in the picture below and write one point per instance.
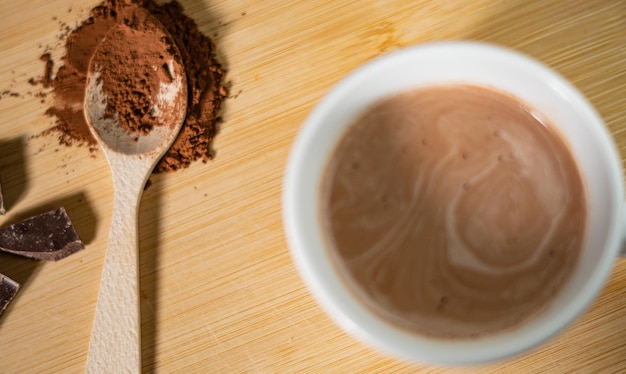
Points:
(453, 211)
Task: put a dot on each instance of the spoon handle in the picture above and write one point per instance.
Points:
(115, 341)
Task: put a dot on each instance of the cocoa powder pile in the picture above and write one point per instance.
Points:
(204, 80)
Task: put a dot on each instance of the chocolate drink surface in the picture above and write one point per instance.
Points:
(453, 211)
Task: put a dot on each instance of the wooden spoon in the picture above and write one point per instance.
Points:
(115, 341)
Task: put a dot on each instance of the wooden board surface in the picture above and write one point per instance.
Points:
(220, 293)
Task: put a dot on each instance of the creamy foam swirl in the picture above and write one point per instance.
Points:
(454, 210)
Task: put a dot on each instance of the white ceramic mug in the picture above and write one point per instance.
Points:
(455, 62)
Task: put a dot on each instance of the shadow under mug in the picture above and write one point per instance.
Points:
(433, 64)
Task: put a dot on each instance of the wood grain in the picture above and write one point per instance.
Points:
(219, 291)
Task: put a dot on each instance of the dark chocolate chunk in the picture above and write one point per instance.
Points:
(2, 210)
(48, 236)
(8, 289)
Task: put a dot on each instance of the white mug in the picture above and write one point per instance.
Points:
(455, 62)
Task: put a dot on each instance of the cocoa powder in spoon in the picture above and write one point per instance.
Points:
(204, 73)
(135, 66)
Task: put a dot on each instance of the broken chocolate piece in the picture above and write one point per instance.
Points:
(48, 236)
(2, 210)
(8, 289)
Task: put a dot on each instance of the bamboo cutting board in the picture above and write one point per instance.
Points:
(220, 293)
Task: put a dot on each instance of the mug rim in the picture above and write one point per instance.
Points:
(315, 270)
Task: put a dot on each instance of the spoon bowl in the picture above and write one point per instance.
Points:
(115, 341)
(112, 136)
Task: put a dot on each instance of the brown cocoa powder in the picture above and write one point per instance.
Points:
(204, 80)
(132, 62)
(46, 81)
